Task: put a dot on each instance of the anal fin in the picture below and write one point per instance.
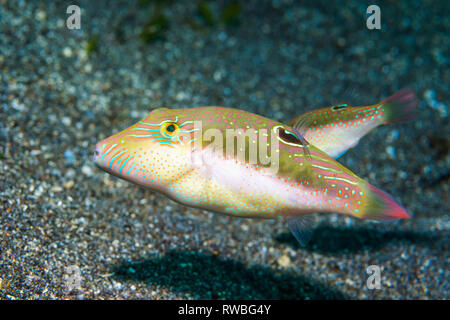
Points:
(301, 227)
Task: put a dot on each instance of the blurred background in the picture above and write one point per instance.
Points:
(63, 90)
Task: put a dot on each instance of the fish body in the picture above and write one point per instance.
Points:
(340, 127)
(170, 152)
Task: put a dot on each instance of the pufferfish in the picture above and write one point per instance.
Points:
(170, 152)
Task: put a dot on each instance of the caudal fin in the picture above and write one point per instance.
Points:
(402, 106)
(380, 206)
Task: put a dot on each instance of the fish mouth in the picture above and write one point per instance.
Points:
(97, 153)
(103, 157)
(97, 157)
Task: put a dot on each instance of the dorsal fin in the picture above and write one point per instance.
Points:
(304, 143)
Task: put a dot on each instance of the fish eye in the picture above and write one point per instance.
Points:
(169, 129)
(339, 107)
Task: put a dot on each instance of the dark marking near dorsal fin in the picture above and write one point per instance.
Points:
(289, 137)
(296, 138)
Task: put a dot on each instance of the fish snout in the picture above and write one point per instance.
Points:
(98, 153)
